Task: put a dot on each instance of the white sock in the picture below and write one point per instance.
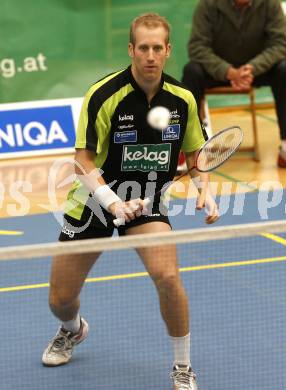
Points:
(283, 145)
(181, 346)
(72, 325)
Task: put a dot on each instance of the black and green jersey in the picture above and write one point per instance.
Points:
(113, 124)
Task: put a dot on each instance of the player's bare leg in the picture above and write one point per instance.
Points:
(161, 264)
(67, 278)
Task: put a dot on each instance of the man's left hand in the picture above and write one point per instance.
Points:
(206, 200)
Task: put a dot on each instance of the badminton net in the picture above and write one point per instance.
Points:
(234, 278)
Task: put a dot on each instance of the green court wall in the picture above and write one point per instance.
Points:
(58, 48)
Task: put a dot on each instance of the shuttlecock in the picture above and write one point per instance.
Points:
(158, 117)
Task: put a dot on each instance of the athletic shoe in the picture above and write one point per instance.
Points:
(281, 159)
(60, 348)
(184, 378)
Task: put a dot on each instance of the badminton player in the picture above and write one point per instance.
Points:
(115, 148)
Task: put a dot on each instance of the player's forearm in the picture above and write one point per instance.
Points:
(90, 176)
(86, 170)
(200, 179)
(91, 179)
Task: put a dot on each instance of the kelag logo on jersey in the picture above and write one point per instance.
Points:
(146, 157)
(171, 132)
(36, 129)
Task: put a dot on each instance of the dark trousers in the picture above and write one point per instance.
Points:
(196, 79)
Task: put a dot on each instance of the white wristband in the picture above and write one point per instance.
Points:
(105, 196)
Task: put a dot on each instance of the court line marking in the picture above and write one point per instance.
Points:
(11, 233)
(233, 179)
(143, 274)
(248, 186)
(266, 117)
(274, 237)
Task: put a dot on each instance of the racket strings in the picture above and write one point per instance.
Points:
(219, 148)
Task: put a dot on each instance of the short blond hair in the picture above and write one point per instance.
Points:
(149, 20)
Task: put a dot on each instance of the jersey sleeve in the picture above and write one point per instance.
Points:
(194, 137)
(92, 124)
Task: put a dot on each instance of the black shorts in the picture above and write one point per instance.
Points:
(91, 226)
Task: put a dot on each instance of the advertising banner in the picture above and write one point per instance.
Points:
(58, 48)
(38, 128)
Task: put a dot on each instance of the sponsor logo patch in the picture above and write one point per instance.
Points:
(129, 126)
(121, 137)
(68, 232)
(171, 132)
(174, 114)
(125, 117)
(146, 157)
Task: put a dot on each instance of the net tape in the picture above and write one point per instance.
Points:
(140, 240)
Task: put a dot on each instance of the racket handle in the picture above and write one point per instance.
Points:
(146, 202)
(121, 221)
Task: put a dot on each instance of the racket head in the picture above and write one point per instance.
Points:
(219, 148)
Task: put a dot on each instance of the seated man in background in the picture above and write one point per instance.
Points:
(241, 43)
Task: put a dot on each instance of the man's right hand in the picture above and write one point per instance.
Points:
(127, 210)
(240, 78)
